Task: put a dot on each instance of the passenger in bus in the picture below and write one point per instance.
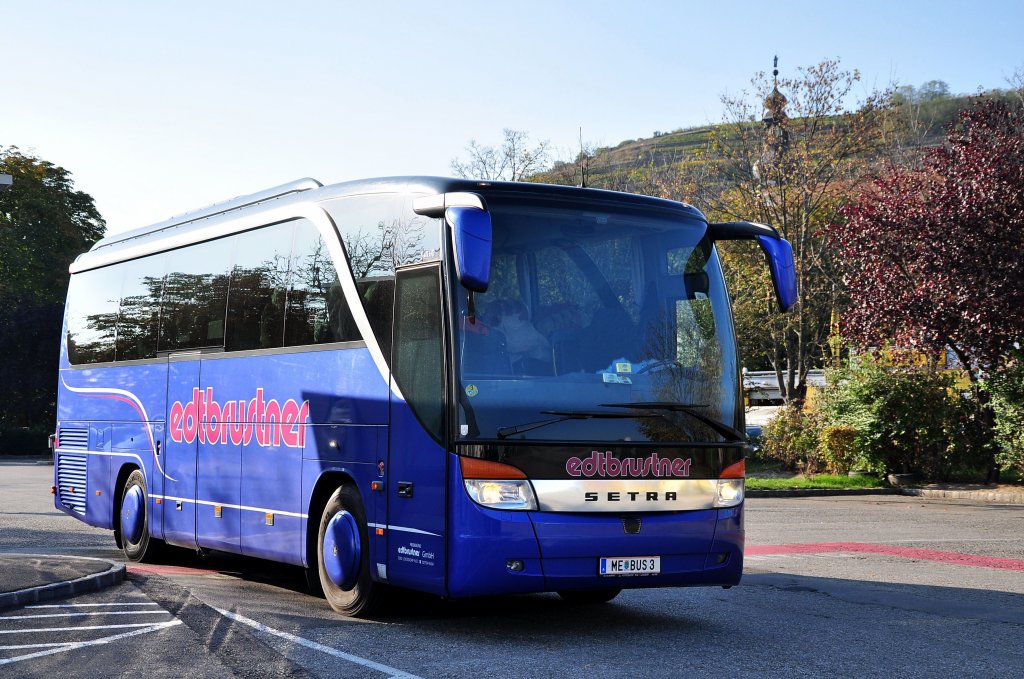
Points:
(530, 350)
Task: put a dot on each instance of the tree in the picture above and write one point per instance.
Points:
(934, 258)
(1016, 82)
(44, 224)
(794, 169)
(515, 160)
(29, 339)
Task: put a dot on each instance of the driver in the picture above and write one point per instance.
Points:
(529, 350)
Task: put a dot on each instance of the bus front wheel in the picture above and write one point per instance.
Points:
(343, 556)
(133, 520)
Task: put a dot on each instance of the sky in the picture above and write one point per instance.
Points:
(160, 108)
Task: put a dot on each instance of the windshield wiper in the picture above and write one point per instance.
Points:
(727, 432)
(563, 415)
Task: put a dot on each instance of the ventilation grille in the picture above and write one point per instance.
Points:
(71, 480)
(73, 439)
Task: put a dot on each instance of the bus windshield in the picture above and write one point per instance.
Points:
(598, 325)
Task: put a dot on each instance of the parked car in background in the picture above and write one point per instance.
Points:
(761, 387)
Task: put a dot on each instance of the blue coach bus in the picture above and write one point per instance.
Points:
(464, 388)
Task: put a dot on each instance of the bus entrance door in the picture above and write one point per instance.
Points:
(416, 459)
(183, 423)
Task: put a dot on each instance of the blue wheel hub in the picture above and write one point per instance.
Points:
(133, 514)
(341, 549)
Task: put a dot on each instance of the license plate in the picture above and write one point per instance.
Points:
(629, 565)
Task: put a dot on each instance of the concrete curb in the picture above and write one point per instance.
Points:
(988, 497)
(67, 588)
(991, 497)
(822, 492)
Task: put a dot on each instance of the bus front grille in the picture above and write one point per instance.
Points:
(71, 481)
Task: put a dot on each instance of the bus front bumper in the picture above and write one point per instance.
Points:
(500, 552)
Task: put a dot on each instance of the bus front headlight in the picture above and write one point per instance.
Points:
(502, 494)
(729, 493)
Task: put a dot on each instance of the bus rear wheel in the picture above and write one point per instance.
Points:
(589, 596)
(343, 556)
(133, 520)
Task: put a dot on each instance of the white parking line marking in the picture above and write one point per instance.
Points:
(81, 615)
(95, 642)
(390, 671)
(72, 629)
(140, 603)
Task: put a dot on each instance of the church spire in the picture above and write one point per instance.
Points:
(776, 136)
(775, 103)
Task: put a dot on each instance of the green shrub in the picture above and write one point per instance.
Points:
(1007, 391)
(907, 419)
(791, 437)
(837, 446)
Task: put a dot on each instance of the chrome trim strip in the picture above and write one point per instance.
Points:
(219, 229)
(236, 203)
(623, 495)
(244, 508)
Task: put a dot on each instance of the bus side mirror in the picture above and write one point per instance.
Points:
(777, 250)
(779, 255)
(471, 231)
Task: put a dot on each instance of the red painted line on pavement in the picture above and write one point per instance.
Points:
(906, 552)
(152, 569)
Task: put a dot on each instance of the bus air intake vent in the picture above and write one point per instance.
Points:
(71, 481)
(631, 525)
(73, 439)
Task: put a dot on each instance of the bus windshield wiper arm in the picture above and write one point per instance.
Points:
(727, 432)
(563, 415)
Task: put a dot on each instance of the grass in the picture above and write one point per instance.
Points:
(816, 481)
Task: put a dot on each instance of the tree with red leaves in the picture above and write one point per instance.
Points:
(934, 257)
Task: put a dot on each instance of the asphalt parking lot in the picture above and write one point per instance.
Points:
(860, 586)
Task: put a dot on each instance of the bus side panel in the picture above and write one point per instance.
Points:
(78, 464)
(99, 494)
(218, 469)
(341, 388)
(179, 458)
(416, 504)
(113, 416)
(129, 445)
(351, 451)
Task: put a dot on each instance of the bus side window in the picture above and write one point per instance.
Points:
(380, 231)
(92, 315)
(317, 311)
(195, 293)
(418, 364)
(378, 295)
(259, 283)
(138, 324)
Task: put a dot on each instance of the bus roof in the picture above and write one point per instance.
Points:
(310, 190)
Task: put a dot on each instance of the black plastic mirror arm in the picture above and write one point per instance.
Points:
(740, 230)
